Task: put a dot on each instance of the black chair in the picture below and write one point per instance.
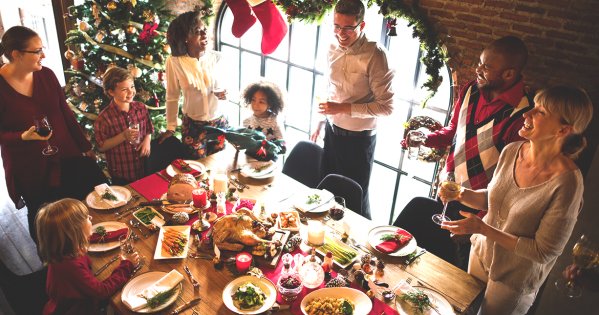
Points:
(25, 294)
(347, 188)
(163, 154)
(304, 163)
(416, 218)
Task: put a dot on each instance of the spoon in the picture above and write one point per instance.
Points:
(135, 224)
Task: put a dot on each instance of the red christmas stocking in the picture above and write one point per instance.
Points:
(242, 16)
(274, 27)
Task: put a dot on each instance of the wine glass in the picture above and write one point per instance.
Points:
(451, 190)
(585, 256)
(43, 128)
(337, 210)
(128, 250)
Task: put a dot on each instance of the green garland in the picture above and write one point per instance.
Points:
(434, 57)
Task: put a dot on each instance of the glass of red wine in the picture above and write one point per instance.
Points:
(43, 128)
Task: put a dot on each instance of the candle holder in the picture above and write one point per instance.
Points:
(243, 261)
(315, 233)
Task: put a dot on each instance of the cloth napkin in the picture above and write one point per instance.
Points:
(169, 281)
(394, 245)
(150, 187)
(109, 237)
(102, 188)
(185, 168)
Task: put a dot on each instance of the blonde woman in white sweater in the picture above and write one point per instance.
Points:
(532, 202)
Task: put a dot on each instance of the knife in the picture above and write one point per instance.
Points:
(113, 259)
(195, 301)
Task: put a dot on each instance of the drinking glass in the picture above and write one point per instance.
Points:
(43, 128)
(128, 250)
(134, 126)
(451, 189)
(415, 139)
(585, 255)
(337, 210)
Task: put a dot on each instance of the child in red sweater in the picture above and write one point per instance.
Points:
(63, 229)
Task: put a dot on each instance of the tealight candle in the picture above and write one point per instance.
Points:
(315, 233)
(221, 183)
(243, 261)
(200, 198)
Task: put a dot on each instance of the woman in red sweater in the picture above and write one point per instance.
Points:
(64, 228)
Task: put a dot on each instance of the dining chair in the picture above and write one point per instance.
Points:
(304, 163)
(416, 219)
(347, 188)
(164, 153)
(26, 294)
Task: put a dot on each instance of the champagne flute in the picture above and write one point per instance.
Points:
(585, 256)
(451, 190)
(43, 128)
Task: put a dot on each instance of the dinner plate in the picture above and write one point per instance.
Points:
(172, 171)
(438, 301)
(184, 229)
(264, 284)
(362, 304)
(109, 226)
(259, 169)
(96, 202)
(304, 202)
(143, 281)
(374, 238)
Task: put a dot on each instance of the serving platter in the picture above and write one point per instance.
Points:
(184, 229)
(362, 303)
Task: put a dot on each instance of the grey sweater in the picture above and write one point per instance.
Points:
(541, 216)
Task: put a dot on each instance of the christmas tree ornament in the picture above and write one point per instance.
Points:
(84, 26)
(100, 36)
(111, 5)
(148, 57)
(95, 11)
(135, 71)
(69, 54)
(391, 27)
(274, 27)
(131, 29)
(83, 106)
(161, 76)
(97, 103)
(148, 15)
(242, 16)
(148, 32)
(166, 48)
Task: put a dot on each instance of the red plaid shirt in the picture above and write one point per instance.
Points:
(123, 160)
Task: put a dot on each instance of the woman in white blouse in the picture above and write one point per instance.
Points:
(533, 202)
(190, 72)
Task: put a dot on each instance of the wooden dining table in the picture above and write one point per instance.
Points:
(429, 271)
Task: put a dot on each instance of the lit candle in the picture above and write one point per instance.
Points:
(220, 183)
(243, 261)
(315, 233)
(200, 198)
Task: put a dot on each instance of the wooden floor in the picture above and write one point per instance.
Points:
(17, 250)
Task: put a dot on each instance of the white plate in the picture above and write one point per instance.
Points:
(249, 170)
(109, 226)
(185, 229)
(362, 304)
(374, 238)
(172, 171)
(264, 284)
(444, 307)
(95, 201)
(301, 201)
(157, 214)
(143, 281)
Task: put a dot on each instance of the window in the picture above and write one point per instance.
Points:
(298, 66)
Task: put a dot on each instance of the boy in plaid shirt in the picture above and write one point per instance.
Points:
(123, 129)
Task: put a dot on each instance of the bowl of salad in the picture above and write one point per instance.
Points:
(249, 295)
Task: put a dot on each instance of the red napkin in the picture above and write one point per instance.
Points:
(150, 187)
(109, 237)
(185, 168)
(394, 245)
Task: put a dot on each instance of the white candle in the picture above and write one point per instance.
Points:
(315, 233)
(220, 183)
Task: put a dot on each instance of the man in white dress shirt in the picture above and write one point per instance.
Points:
(359, 92)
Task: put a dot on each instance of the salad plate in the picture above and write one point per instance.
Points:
(172, 171)
(165, 242)
(259, 169)
(313, 200)
(443, 307)
(374, 238)
(138, 284)
(265, 285)
(109, 226)
(362, 303)
(96, 201)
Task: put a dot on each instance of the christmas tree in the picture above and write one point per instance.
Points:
(128, 33)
